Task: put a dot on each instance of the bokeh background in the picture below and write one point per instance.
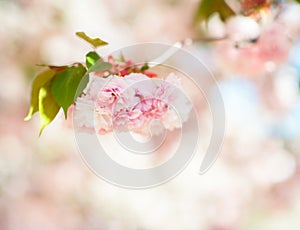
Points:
(255, 183)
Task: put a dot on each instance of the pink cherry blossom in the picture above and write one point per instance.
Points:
(272, 48)
(129, 103)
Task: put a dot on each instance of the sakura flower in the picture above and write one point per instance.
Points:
(166, 88)
(122, 119)
(176, 98)
(290, 18)
(83, 119)
(171, 120)
(87, 118)
(216, 27)
(103, 121)
(111, 92)
(93, 88)
(141, 84)
(271, 49)
(241, 28)
(133, 120)
(152, 107)
(130, 103)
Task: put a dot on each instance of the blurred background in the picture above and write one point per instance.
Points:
(254, 184)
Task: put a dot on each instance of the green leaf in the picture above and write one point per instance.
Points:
(41, 80)
(145, 67)
(100, 66)
(48, 107)
(95, 42)
(298, 1)
(209, 7)
(55, 68)
(91, 58)
(68, 85)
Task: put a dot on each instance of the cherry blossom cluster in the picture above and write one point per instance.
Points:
(258, 39)
(133, 102)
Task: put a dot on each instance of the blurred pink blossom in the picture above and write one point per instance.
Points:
(271, 49)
